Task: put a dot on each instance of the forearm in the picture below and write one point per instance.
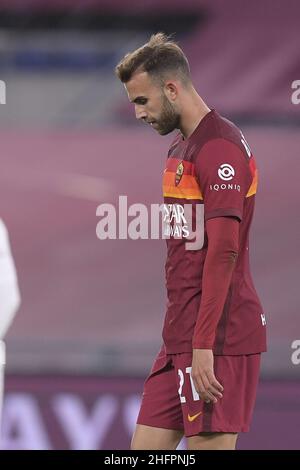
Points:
(218, 268)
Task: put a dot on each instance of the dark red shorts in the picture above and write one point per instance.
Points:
(170, 400)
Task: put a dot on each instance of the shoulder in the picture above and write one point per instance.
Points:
(225, 138)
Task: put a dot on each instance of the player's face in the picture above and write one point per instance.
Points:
(151, 104)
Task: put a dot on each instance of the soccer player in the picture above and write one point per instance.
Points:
(203, 382)
(9, 298)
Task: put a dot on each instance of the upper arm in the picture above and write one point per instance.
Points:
(224, 176)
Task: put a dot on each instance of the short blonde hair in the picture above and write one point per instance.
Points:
(159, 56)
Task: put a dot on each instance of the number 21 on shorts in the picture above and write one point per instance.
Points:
(188, 371)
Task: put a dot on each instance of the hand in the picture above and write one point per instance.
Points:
(205, 382)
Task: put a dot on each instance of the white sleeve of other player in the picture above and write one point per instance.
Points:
(9, 290)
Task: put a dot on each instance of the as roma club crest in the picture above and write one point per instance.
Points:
(179, 173)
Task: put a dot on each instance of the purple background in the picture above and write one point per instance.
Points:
(49, 406)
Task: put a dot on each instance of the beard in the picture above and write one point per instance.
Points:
(169, 118)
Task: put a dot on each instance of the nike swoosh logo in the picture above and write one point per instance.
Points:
(192, 418)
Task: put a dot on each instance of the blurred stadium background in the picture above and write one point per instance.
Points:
(91, 315)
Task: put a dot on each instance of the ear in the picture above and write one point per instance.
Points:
(171, 90)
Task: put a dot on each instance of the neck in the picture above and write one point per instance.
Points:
(192, 113)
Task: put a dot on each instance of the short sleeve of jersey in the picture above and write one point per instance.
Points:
(223, 173)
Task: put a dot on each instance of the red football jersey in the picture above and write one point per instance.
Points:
(213, 168)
